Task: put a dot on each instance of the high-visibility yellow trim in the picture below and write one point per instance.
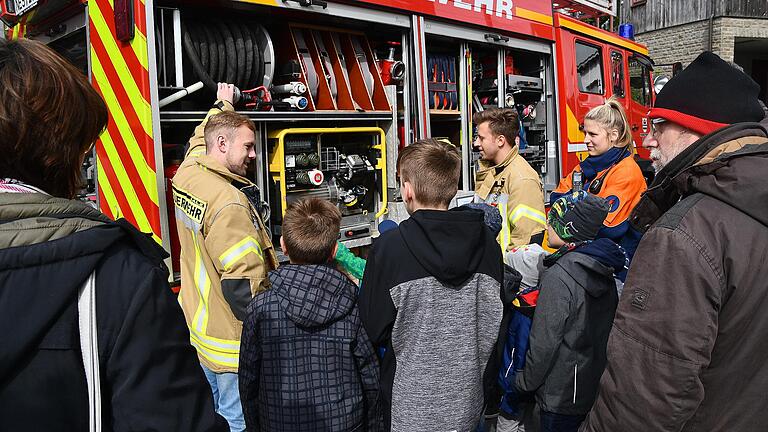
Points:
(524, 211)
(122, 177)
(223, 346)
(241, 249)
(147, 175)
(203, 285)
(224, 359)
(505, 235)
(533, 16)
(109, 194)
(597, 34)
(139, 46)
(140, 105)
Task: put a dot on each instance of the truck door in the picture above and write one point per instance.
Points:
(640, 100)
(582, 82)
(590, 77)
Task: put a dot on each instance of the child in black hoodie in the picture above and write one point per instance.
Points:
(306, 363)
(431, 296)
(574, 313)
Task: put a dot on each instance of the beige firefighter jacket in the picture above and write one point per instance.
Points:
(515, 188)
(226, 252)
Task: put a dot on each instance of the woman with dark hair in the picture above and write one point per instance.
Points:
(93, 338)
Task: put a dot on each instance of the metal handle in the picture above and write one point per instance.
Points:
(307, 3)
(180, 94)
(496, 37)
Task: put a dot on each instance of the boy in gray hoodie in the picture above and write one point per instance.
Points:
(431, 297)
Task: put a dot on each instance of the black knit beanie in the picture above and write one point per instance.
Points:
(578, 216)
(708, 95)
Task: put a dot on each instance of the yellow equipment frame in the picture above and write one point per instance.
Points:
(277, 157)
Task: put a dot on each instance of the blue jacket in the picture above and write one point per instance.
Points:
(514, 340)
(306, 363)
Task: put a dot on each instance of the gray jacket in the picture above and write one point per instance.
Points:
(573, 318)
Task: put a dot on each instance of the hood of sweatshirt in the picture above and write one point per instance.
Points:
(313, 295)
(446, 243)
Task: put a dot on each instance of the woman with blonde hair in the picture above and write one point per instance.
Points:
(609, 172)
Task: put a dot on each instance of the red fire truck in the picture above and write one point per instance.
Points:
(334, 87)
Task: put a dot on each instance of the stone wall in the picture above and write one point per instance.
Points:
(726, 30)
(679, 43)
(684, 42)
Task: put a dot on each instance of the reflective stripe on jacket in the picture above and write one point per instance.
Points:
(515, 188)
(226, 253)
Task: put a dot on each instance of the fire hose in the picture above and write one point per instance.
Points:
(221, 51)
(230, 52)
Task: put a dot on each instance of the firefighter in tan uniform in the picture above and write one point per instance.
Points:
(226, 251)
(505, 180)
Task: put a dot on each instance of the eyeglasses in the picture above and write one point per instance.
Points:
(656, 129)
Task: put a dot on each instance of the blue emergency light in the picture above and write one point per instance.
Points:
(627, 31)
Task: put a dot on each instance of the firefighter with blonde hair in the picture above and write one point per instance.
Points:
(610, 172)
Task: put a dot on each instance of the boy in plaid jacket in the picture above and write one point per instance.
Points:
(306, 363)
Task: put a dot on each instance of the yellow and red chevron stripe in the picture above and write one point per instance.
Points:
(20, 29)
(125, 153)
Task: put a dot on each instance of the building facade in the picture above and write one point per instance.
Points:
(679, 30)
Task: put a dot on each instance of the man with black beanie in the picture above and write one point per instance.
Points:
(687, 351)
(574, 312)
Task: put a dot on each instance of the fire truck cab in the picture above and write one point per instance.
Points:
(335, 88)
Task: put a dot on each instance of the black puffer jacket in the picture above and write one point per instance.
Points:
(306, 363)
(574, 312)
(688, 349)
(150, 377)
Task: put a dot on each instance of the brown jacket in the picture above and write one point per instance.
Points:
(226, 253)
(688, 347)
(515, 187)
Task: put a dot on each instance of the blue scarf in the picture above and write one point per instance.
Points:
(603, 250)
(594, 164)
(606, 252)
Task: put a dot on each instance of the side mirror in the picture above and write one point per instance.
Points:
(677, 67)
(659, 82)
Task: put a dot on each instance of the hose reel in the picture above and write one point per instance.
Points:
(231, 51)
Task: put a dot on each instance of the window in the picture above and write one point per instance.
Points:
(617, 74)
(589, 68)
(640, 82)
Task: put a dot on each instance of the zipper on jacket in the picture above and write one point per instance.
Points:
(511, 362)
(575, 373)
